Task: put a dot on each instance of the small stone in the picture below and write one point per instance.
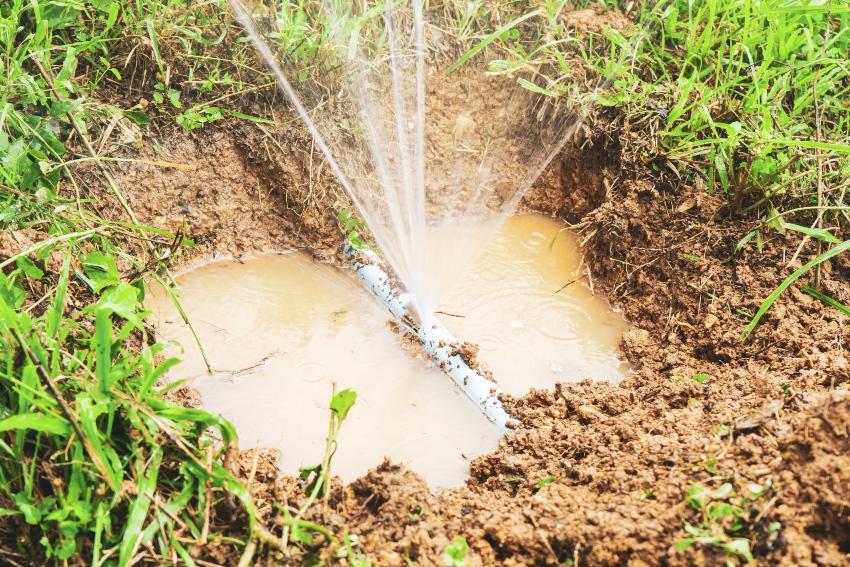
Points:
(590, 413)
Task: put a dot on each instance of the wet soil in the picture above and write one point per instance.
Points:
(701, 407)
(772, 410)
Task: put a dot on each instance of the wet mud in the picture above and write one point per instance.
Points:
(278, 330)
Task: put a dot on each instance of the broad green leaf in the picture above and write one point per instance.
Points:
(137, 117)
(122, 300)
(28, 267)
(696, 496)
(342, 402)
(101, 270)
(43, 422)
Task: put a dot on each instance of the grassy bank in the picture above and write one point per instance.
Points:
(97, 464)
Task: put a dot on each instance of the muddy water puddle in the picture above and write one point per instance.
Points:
(280, 329)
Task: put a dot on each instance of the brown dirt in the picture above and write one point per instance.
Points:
(782, 395)
(773, 410)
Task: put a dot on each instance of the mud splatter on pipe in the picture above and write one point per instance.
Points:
(435, 338)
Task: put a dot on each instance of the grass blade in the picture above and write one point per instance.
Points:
(45, 423)
(103, 348)
(58, 307)
(139, 511)
(816, 233)
(768, 302)
(490, 39)
(826, 299)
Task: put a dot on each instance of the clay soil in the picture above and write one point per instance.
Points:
(772, 410)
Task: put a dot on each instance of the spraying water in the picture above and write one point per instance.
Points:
(425, 114)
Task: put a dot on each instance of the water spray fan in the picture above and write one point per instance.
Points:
(488, 130)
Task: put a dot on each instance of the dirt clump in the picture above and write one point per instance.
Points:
(816, 450)
(235, 190)
(595, 19)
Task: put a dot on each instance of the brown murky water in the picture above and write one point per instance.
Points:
(279, 329)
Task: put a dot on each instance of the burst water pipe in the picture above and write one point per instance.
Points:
(435, 338)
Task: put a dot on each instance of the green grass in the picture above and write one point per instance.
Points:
(729, 521)
(743, 95)
(95, 463)
(750, 100)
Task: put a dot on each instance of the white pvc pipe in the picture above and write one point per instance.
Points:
(435, 338)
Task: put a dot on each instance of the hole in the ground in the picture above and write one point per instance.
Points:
(278, 329)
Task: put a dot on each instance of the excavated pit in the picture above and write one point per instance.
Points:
(622, 456)
(279, 330)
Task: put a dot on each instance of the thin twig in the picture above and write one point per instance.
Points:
(819, 219)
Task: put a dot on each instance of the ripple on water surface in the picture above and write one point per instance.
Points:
(311, 325)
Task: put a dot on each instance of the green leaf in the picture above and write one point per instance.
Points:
(775, 220)
(528, 85)
(46, 423)
(719, 510)
(103, 349)
(11, 293)
(740, 547)
(60, 107)
(454, 554)
(700, 378)
(724, 491)
(548, 480)
(770, 299)
(342, 402)
(816, 233)
(28, 267)
(65, 549)
(57, 309)
(174, 98)
(32, 514)
(826, 299)
(137, 117)
(697, 496)
(132, 535)
(101, 270)
(122, 300)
